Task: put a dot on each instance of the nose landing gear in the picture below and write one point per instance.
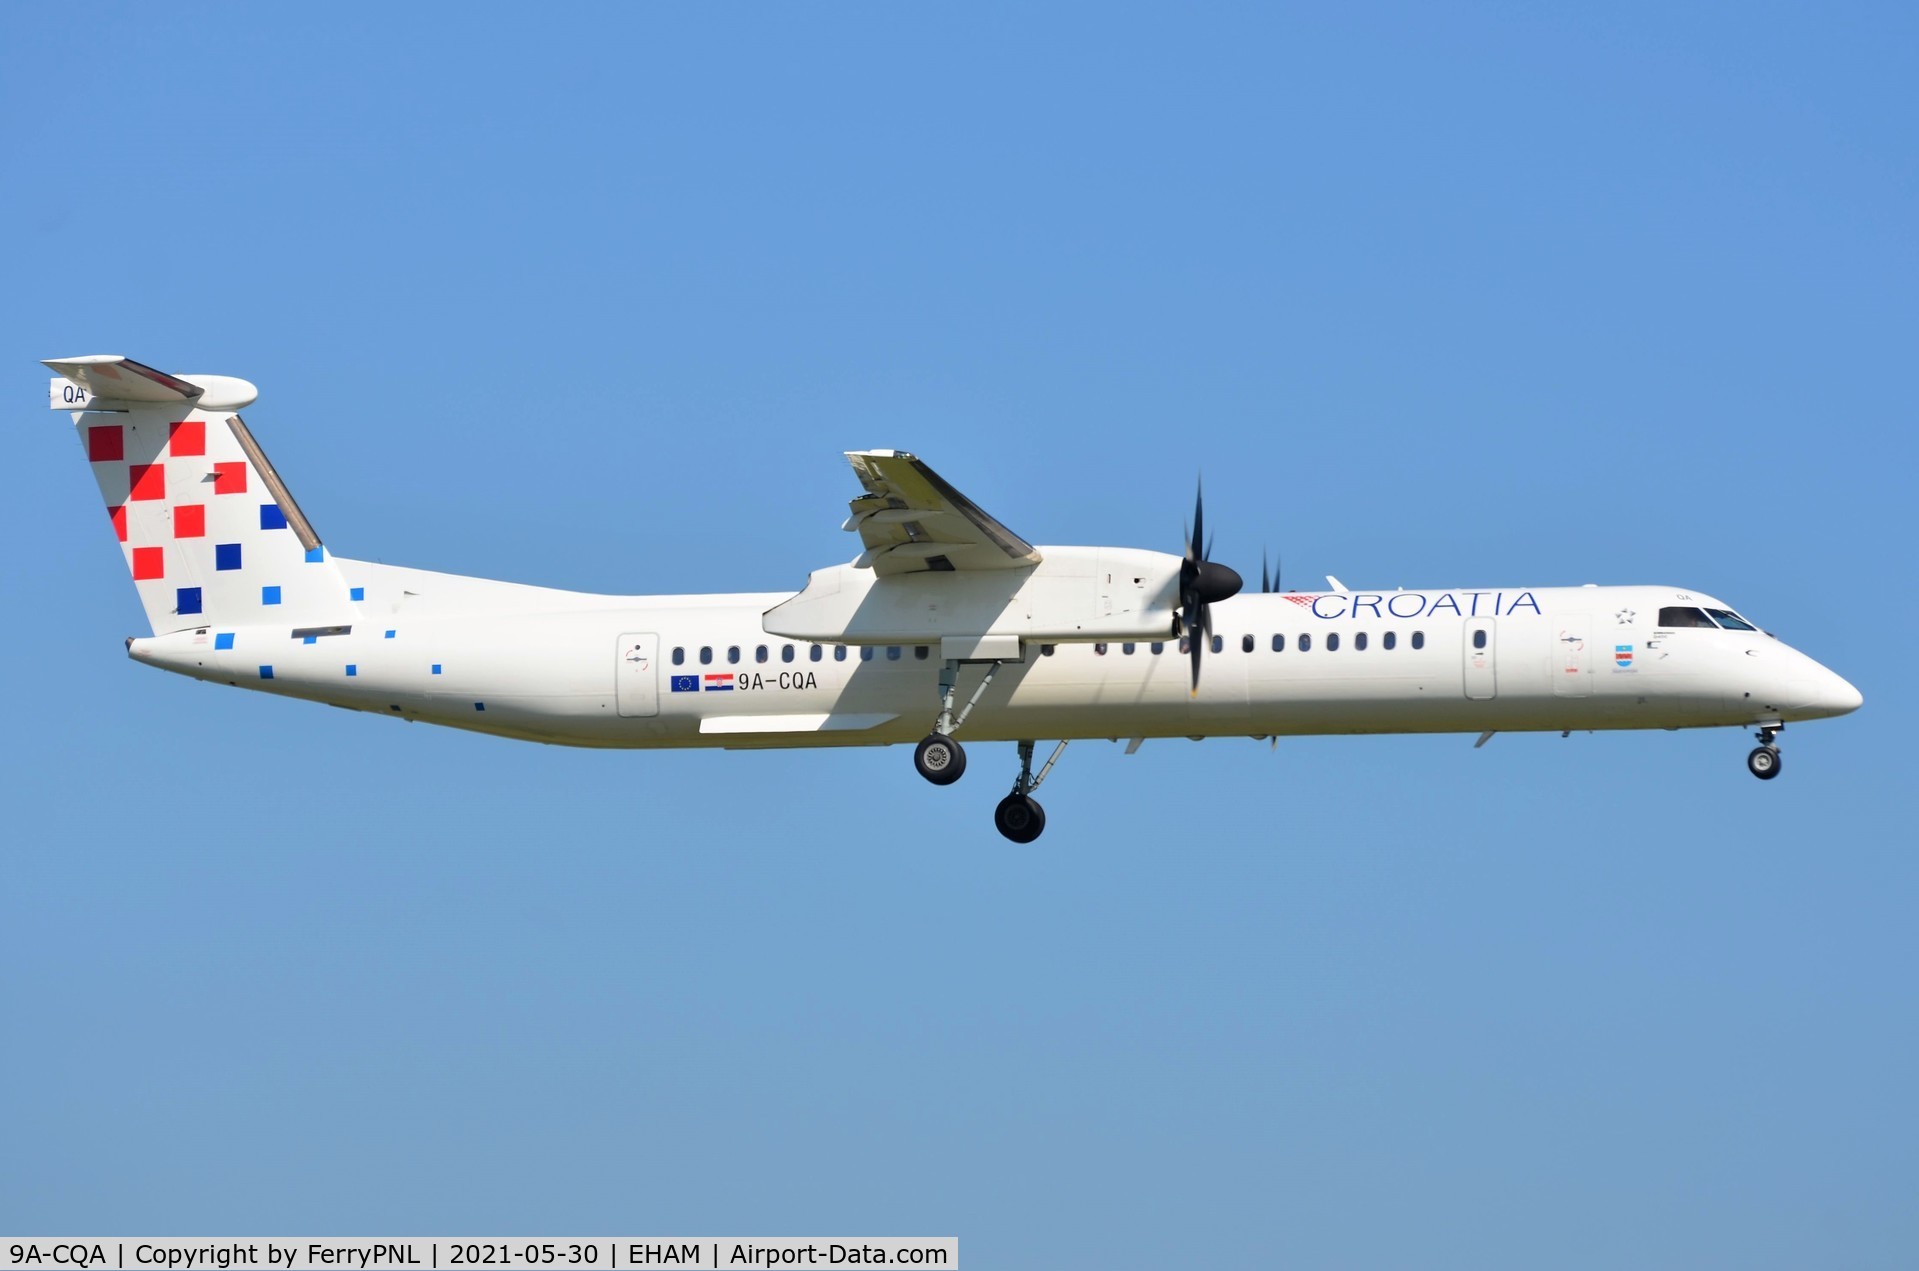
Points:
(1763, 762)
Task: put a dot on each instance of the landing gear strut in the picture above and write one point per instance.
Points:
(1763, 762)
(939, 758)
(1019, 816)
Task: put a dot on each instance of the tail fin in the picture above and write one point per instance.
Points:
(209, 531)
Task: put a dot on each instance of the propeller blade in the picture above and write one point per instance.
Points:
(1199, 521)
(1193, 639)
(1264, 584)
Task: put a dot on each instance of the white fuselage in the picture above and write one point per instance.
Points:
(654, 671)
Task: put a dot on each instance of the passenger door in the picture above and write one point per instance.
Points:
(1572, 656)
(637, 676)
(1481, 679)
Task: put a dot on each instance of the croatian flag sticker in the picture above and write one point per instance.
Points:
(720, 683)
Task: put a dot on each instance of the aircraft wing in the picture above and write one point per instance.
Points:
(912, 521)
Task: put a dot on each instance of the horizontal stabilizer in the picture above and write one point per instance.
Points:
(106, 381)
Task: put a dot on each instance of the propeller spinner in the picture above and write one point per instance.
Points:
(1201, 583)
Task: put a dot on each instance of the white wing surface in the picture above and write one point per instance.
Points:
(912, 521)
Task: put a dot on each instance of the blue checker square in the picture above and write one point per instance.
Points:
(479, 706)
(226, 556)
(187, 599)
(223, 640)
(357, 593)
(352, 669)
(269, 595)
(436, 668)
(391, 634)
(316, 555)
(266, 672)
(310, 640)
(271, 517)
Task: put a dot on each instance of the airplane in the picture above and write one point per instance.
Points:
(945, 624)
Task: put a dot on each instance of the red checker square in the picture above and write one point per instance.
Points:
(119, 516)
(229, 478)
(106, 441)
(190, 520)
(149, 562)
(149, 481)
(187, 437)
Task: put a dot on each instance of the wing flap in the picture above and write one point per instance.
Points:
(911, 520)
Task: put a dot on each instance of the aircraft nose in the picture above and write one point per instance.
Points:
(1831, 694)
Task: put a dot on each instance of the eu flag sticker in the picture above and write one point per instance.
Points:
(686, 684)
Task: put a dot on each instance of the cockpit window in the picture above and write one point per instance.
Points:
(1730, 620)
(1683, 616)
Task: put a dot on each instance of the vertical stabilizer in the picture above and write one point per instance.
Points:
(208, 529)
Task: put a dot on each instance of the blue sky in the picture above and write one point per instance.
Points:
(595, 297)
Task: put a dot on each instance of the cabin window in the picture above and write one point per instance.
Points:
(839, 653)
(1388, 640)
(866, 653)
(892, 653)
(814, 653)
(1099, 650)
(1219, 643)
(759, 654)
(1731, 621)
(1279, 644)
(1479, 638)
(1129, 648)
(679, 655)
(1158, 646)
(786, 653)
(1359, 641)
(1246, 643)
(706, 655)
(1306, 643)
(921, 651)
(1683, 616)
(1332, 642)
(1419, 639)
(733, 653)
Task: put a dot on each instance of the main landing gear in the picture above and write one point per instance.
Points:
(1019, 816)
(942, 761)
(939, 758)
(1763, 762)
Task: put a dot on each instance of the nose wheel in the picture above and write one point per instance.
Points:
(1763, 762)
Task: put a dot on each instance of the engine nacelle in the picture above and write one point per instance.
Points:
(1072, 594)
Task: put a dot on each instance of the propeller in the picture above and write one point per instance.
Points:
(1201, 583)
(1267, 585)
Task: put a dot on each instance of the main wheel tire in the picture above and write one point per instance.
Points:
(1763, 762)
(941, 760)
(1020, 818)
